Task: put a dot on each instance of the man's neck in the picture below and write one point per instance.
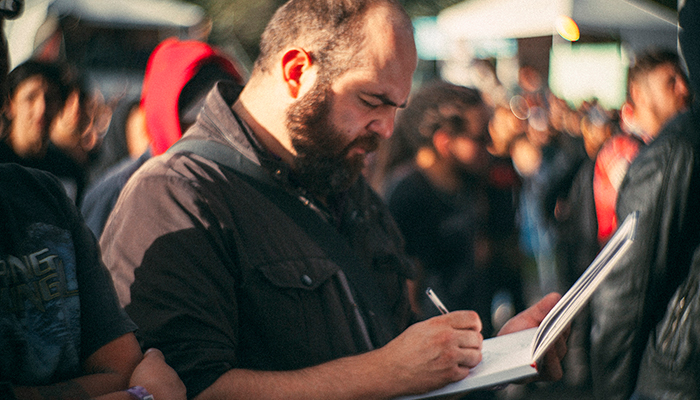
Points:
(269, 129)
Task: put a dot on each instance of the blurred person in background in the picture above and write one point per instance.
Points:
(125, 140)
(576, 211)
(178, 76)
(76, 129)
(75, 133)
(547, 161)
(62, 333)
(657, 91)
(504, 127)
(34, 96)
(50, 123)
(79, 127)
(451, 215)
(646, 329)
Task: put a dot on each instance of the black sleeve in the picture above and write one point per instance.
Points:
(164, 234)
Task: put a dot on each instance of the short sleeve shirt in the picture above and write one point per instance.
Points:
(57, 301)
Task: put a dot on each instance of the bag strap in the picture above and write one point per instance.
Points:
(373, 301)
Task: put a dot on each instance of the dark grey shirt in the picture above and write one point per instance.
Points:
(218, 277)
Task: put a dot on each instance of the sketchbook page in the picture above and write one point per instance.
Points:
(505, 359)
(580, 293)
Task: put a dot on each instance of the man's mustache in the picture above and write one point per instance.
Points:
(369, 143)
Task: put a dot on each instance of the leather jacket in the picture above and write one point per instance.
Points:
(670, 366)
(663, 183)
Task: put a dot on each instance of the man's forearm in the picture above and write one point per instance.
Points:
(83, 388)
(356, 377)
(426, 356)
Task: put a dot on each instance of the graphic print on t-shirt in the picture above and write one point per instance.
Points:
(39, 308)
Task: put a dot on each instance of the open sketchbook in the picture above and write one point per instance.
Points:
(514, 356)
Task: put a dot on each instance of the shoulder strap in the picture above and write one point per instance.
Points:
(336, 247)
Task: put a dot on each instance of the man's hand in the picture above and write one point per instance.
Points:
(435, 352)
(532, 317)
(158, 377)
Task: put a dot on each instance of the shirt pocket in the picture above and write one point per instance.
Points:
(303, 275)
(294, 310)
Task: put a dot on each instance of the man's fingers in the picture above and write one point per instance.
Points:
(531, 317)
(551, 369)
(153, 352)
(560, 348)
(471, 340)
(464, 320)
(470, 358)
(542, 307)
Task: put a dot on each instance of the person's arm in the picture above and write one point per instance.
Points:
(107, 370)
(151, 373)
(154, 374)
(426, 356)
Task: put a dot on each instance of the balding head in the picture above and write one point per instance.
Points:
(330, 30)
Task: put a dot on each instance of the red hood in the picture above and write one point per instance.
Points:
(171, 65)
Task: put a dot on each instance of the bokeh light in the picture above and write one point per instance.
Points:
(567, 28)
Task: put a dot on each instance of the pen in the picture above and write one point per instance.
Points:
(433, 297)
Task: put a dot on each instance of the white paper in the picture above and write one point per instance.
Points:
(513, 357)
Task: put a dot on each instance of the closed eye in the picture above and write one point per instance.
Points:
(377, 100)
(370, 104)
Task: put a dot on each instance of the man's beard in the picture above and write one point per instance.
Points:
(322, 165)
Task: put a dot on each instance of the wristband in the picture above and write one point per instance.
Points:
(7, 391)
(139, 393)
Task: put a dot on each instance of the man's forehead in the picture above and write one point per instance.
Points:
(377, 82)
(389, 68)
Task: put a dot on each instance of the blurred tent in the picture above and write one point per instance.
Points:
(610, 32)
(110, 40)
(41, 17)
(639, 23)
(153, 13)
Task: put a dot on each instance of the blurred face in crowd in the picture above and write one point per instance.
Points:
(594, 133)
(30, 111)
(659, 96)
(503, 128)
(668, 92)
(79, 125)
(341, 120)
(470, 148)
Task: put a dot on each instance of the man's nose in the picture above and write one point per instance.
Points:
(384, 124)
(681, 88)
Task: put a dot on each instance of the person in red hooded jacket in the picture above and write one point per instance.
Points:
(178, 76)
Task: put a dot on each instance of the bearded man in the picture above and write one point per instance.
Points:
(255, 255)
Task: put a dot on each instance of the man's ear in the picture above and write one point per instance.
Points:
(295, 62)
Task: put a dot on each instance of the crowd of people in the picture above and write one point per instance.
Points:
(274, 238)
